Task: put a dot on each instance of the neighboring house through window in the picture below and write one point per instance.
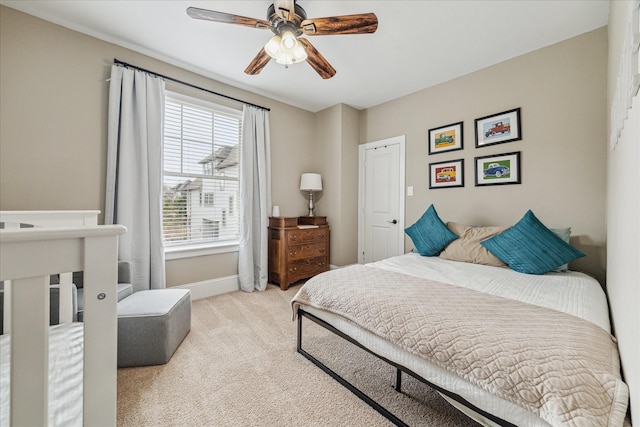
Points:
(201, 173)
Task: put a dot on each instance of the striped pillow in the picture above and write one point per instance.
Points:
(429, 234)
(530, 247)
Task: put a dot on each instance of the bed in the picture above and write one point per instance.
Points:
(504, 347)
(63, 374)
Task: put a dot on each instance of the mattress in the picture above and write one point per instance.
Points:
(65, 375)
(570, 292)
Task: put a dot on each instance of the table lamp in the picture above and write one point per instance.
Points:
(311, 182)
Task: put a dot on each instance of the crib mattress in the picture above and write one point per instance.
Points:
(65, 375)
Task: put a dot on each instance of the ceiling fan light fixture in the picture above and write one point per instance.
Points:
(286, 49)
(288, 21)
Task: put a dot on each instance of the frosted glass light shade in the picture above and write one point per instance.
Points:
(273, 46)
(311, 182)
(286, 50)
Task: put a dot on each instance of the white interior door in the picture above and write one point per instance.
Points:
(381, 200)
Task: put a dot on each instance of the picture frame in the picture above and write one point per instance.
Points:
(445, 138)
(446, 174)
(498, 169)
(498, 128)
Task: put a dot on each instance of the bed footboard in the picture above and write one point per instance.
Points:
(399, 370)
(29, 256)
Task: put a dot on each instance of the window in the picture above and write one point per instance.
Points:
(201, 173)
(210, 228)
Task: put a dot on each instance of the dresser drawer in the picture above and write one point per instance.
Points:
(310, 250)
(306, 235)
(306, 268)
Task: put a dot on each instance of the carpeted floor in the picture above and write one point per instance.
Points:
(239, 367)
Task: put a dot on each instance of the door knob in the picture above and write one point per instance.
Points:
(395, 221)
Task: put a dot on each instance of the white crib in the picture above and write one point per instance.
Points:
(61, 242)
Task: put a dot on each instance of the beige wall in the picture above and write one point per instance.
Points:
(336, 157)
(53, 115)
(348, 238)
(623, 219)
(561, 90)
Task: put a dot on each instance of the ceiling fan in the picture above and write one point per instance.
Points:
(288, 21)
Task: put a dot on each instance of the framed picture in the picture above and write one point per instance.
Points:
(446, 174)
(498, 169)
(498, 128)
(445, 138)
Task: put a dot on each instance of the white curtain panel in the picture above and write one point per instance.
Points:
(134, 172)
(255, 199)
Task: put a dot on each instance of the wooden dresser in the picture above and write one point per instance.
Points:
(298, 248)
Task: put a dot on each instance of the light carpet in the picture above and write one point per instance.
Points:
(238, 366)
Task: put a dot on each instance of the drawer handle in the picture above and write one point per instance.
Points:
(293, 270)
(293, 237)
(321, 250)
(321, 264)
(320, 234)
(292, 254)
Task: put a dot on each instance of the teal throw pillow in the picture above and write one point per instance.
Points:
(429, 234)
(564, 234)
(530, 247)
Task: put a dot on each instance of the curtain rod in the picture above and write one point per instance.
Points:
(124, 64)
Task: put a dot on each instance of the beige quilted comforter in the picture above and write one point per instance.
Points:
(560, 367)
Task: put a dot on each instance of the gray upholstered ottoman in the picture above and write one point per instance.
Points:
(151, 326)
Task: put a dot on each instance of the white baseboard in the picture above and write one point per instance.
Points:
(222, 285)
(333, 267)
(209, 288)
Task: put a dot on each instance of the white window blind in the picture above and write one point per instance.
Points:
(201, 172)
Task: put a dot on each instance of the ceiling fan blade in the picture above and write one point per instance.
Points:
(317, 61)
(227, 18)
(258, 63)
(285, 9)
(364, 23)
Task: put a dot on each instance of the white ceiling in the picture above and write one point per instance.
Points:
(418, 43)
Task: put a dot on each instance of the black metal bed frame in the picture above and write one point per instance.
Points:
(399, 370)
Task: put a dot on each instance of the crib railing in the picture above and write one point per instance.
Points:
(49, 219)
(27, 258)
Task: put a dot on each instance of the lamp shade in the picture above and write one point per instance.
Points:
(311, 182)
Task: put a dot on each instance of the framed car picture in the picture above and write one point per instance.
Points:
(498, 128)
(445, 138)
(498, 169)
(446, 174)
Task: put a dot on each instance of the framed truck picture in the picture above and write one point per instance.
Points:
(445, 138)
(446, 174)
(498, 128)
